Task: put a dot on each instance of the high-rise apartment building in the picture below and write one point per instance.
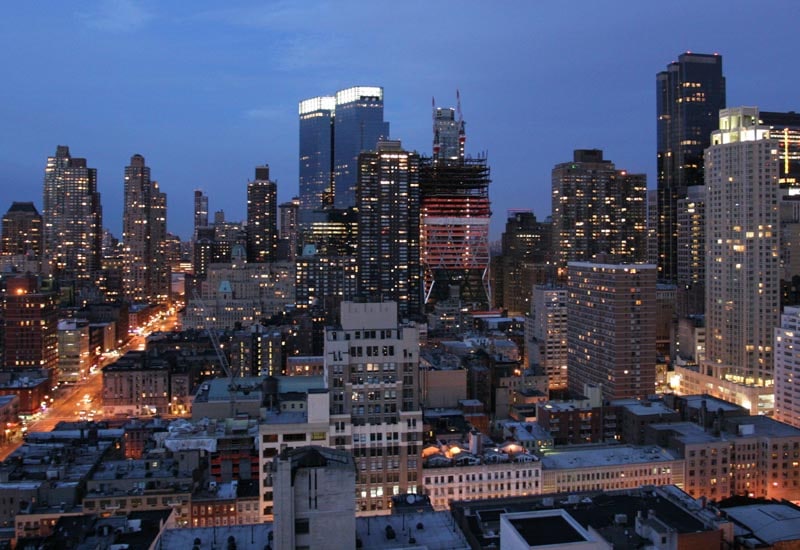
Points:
(611, 328)
(787, 367)
(388, 227)
(145, 272)
(262, 218)
(31, 325)
(372, 366)
(742, 257)
(334, 130)
(599, 212)
(22, 230)
(455, 214)
(546, 333)
(690, 93)
(72, 216)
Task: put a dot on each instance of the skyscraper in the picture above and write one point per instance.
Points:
(523, 263)
(289, 232)
(145, 272)
(611, 328)
(200, 210)
(742, 259)
(334, 130)
(262, 217)
(455, 217)
(388, 227)
(22, 230)
(72, 216)
(690, 93)
(358, 126)
(316, 158)
(599, 212)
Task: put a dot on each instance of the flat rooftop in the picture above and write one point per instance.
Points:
(248, 537)
(769, 522)
(688, 432)
(597, 457)
(437, 533)
(547, 529)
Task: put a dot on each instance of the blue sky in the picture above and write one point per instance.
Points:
(208, 90)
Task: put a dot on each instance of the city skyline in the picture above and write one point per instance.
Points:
(215, 92)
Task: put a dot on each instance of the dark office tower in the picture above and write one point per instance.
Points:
(388, 227)
(599, 212)
(690, 94)
(289, 232)
(31, 325)
(455, 217)
(72, 216)
(316, 158)
(200, 210)
(262, 217)
(523, 263)
(22, 230)
(145, 272)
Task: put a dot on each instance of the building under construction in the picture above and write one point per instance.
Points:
(455, 217)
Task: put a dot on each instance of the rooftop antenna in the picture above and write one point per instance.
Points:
(462, 134)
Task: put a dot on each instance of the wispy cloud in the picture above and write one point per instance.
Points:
(116, 16)
(280, 16)
(265, 113)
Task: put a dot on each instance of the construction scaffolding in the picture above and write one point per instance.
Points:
(454, 240)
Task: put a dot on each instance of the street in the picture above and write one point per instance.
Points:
(84, 400)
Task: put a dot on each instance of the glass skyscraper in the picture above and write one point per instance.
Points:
(690, 94)
(333, 131)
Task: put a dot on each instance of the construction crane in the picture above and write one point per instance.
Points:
(223, 360)
(214, 337)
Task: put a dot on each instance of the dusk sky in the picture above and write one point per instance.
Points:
(208, 90)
